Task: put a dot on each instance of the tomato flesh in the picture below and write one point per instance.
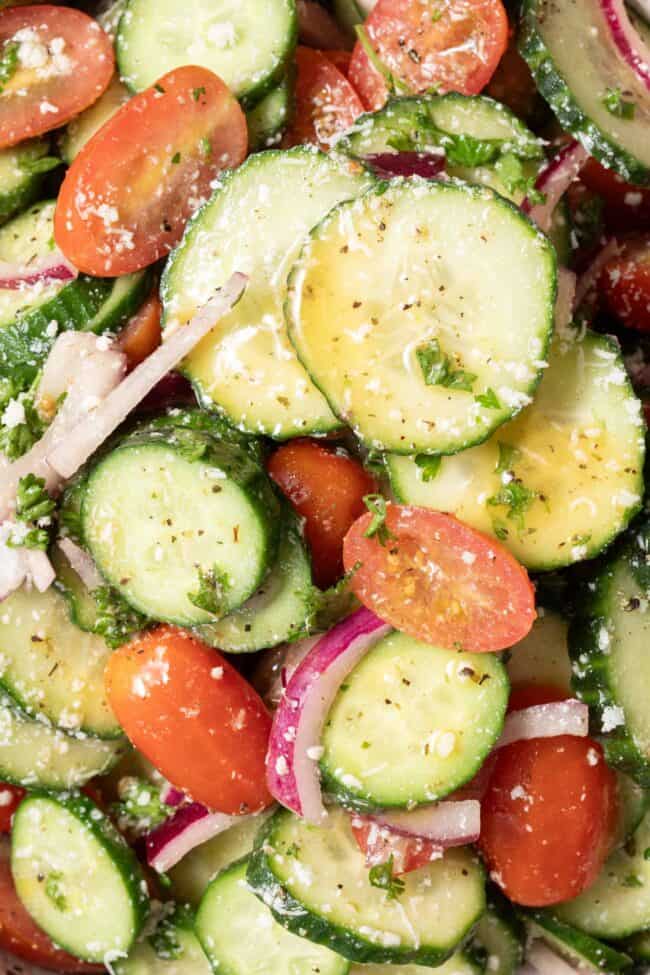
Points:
(326, 104)
(440, 580)
(452, 45)
(326, 488)
(10, 798)
(63, 61)
(627, 207)
(129, 193)
(141, 334)
(625, 284)
(379, 844)
(194, 717)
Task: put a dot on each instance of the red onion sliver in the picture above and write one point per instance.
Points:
(292, 758)
(589, 278)
(389, 164)
(553, 181)
(171, 796)
(68, 457)
(55, 267)
(627, 41)
(546, 721)
(317, 27)
(189, 827)
(81, 562)
(446, 823)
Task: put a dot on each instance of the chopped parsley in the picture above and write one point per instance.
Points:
(429, 466)
(376, 505)
(508, 457)
(437, 369)
(211, 594)
(488, 400)
(116, 621)
(34, 510)
(382, 876)
(165, 941)
(631, 881)
(140, 807)
(517, 498)
(617, 105)
(8, 64)
(18, 434)
(54, 892)
(197, 92)
(176, 158)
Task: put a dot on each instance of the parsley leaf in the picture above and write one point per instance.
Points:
(210, 596)
(165, 941)
(381, 876)
(508, 456)
(376, 504)
(140, 807)
(437, 369)
(616, 105)
(34, 509)
(517, 498)
(429, 466)
(176, 158)
(116, 621)
(488, 400)
(631, 881)
(8, 64)
(17, 439)
(197, 92)
(53, 890)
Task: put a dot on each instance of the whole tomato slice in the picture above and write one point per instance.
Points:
(194, 717)
(449, 45)
(326, 487)
(625, 283)
(129, 193)
(431, 576)
(326, 104)
(57, 62)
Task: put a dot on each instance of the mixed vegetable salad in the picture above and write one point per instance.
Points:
(324, 556)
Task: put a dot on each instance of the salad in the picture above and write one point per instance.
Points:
(324, 554)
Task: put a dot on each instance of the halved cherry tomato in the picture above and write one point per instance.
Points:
(340, 59)
(10, 798)
(624, 283)
(379, 844)
(627, 207)
(326, 487)
(535, 786)
(20, 935)
(141, 334)
(431, 576)
(194, 717)
(129, 193)
(452, 45)
(326, 104)
(60, 62)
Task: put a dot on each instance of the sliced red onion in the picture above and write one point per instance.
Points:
(553, 181)
(381, 844)
(54, 267)
(389, 164)
(294, 745)
(546, 721)
(588, 280)
(627, 41)
(445, 823)
(546, 962)
(81, 562)
(189, 827)
(171, 796)
(67, 457)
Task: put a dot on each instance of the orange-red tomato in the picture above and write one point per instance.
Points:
(129, 193)
(326, 104)
(340, 59)
(431, 576)
(141, 334)
(454, 45)
(627, 207)
(69, 65)
(624, 283)
(194, 717)
(10, 799)
(326, 487)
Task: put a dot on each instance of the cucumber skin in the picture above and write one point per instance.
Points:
(19, 199)
(556, 92)
(293, 916)
(599, 954)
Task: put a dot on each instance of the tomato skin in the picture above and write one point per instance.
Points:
(379, 844)
(88, 60)
(624, 283)
(10, 798)
(414, 43)
(627, 207)
(340, 59)
(128, 194)
(194, 717)
(141, 335)
(327, 490)
(477, 598)
(326, 104)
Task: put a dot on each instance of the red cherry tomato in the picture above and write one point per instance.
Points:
(141, 334)
(379, 844)
(439, 580)
(627, 207)
(194, 717)
(129, 193)
(512, 83)
(625, 284)
(62, 62)
(10, 799)
(454, 45)
(327, 489)
(326, 104)
(340, 60)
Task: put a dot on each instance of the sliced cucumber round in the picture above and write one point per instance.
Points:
(84, 126)
(291, 870)
(386, 746)
(22, 170)
(400, 308)
(172, 949)
(184, 527)
(77, 876)
(543, 656)
(580, 949)
(34, 754)
(247, 366)
(579, 72)
(560, 482)
(246, 44)
(239, 935)
(268, 119)
(51, 668)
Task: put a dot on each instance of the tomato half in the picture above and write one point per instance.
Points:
(129, 193)
(627, 207)
(59, 62)
(326, 487)
(450, 45)
(141, 334)
(340, 59)
(625, 284)
(194, 717)
(10, 799)
(326, 104)
(439, 580)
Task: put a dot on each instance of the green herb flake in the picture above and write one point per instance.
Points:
(54, 891)
(197, 92)
(376, 505)
(205, 147)
(382, 876)
(176, 158)
(488, 400)
(116, 620)
(211, 594)
(140, 807)
(8, 64)
(159, 88)
(436, 15)
(631, 881)
(165, 941)
(429, 467)
(16, 439)
(508, 457)
(517, 498)
(617, 105)
(646, 853)
(34, 509)
(437, 369)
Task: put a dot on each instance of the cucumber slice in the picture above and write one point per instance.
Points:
(172, 949)
(248, 367)
(638, 946)
(543, 656)
(385, 746)
(291, 870)
(239, 935)
(190, 877)
(84, 126)
(279, 611)
(618, 903)
(247, 43)
(633, 805)
(267, 120)
(168, 509)
(77, 876)
(608, 642)
(575, 65)
(51, 668)
(21, 176)
(499, 935)
(385, 299)
(127, 294)
(33, 754)
(82, 608)
(461, 963)
(586, 953)
(576, 453)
